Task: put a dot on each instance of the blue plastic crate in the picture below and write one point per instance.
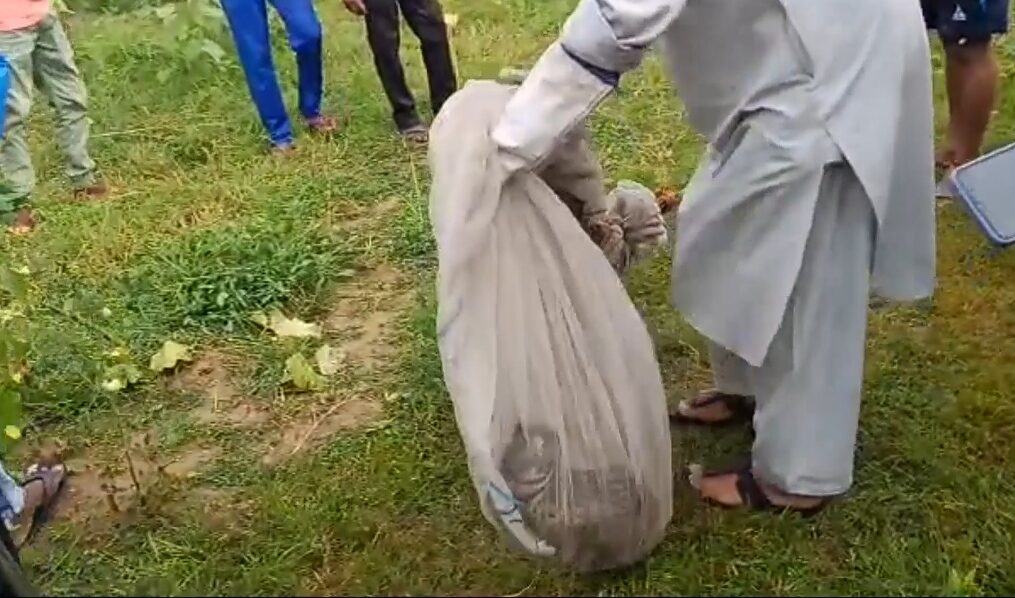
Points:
(986, 186)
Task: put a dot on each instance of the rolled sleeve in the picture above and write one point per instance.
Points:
(615, 34)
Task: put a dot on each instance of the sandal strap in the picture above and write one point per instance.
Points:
(750, 492)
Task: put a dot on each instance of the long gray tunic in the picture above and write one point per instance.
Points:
(779, 87)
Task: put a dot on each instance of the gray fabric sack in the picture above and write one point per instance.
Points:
(552, 373)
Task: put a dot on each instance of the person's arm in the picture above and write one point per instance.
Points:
(600, 41)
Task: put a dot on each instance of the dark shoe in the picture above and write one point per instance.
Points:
(282, 150)
(416, 134)
(322, 125)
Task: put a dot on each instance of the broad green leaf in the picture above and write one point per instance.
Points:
(13, 432)
(168, 356)
(120, 376)
(302, 374)
(10, 407)
(165, 11)
(329, 360)
(213, 50)
(14, 283)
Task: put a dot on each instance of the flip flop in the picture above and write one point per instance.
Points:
(741, 409)
(50, 495)
(752, 497)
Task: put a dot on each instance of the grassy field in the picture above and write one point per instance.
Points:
(221, 479)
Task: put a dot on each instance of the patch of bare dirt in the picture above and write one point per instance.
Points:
(365, 314)
(99, 492)
(210, 376)
(310, 431)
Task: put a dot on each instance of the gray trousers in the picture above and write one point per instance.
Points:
(41, 55)
(808, 387)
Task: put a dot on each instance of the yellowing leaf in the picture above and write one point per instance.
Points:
(450, 20)
(120, 376)
(282, 326)
(329, 359)
(12, 432)
(14, 282)
(118, 353)
(259, 318)
(168, 356)
(302, 374)
(113, 385)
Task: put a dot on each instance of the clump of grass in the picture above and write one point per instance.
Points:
(214, 279)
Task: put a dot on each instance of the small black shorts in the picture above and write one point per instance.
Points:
(966, 21)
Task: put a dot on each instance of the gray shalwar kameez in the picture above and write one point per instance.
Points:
(817, 183)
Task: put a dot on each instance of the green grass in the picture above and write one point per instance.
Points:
(205, 228)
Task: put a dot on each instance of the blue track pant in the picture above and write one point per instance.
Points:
(248, 20)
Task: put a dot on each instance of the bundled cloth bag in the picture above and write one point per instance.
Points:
(553, 375)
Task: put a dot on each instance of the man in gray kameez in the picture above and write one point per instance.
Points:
(816, 186)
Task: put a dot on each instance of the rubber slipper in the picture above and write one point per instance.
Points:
(740, 407)
(50, 496)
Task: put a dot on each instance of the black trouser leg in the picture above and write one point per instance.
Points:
(383, 34)
(426, 19)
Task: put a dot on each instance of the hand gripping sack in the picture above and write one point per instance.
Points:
(553, 375)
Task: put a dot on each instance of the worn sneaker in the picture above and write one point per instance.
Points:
(322, 125)
(416, 134)
(282, 150)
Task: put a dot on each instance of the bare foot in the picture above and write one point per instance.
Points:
(42, 488)
(24, 222)
(724, 489)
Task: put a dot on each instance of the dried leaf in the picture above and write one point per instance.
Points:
(329, 360)
(283, 326)
(169, 356)
(302, 375)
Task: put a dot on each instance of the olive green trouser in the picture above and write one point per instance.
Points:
(41, 55)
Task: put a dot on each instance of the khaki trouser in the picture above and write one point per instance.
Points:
(41, 56)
